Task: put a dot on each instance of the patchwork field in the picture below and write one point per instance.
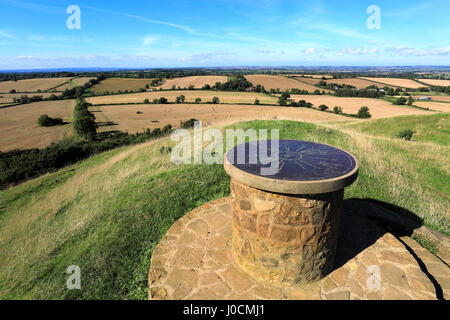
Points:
(75, 82)
(403, 83)
(197, 81)
(316, 76)
(116, 84)
(125, 118)
(279, 82)
(436, 82)
(19, 129)
(191, 95)
(378, 108)
(32, 85)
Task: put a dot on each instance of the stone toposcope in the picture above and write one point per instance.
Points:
(286, 202)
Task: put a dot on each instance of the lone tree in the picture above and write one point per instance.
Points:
(198, 100)
(180, 99)
(337, 110)
(410, 101)
(45, 121)
(215, 100)
(363, 113)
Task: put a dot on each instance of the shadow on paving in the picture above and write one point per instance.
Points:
(364, 221)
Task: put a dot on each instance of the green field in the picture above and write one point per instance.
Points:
(106, 214)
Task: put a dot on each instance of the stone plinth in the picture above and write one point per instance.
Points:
(286, 223)
(284, 238)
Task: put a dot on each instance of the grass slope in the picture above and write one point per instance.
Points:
(106, 214)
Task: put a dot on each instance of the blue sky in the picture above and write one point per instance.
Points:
(194, 33)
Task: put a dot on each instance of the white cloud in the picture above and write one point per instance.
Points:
(358, 51)
(7, 34)
(311, 51)
(150, 39)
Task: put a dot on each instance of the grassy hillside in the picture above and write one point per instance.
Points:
(106, 214)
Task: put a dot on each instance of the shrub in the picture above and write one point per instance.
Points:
(400, 101)
(406, 134)
(364, 113)
(323, 107)
(198, 100)
(12, 91)
(167, 129)
(45, 121)
(188, 124)
(337, 110)
(146, 101)
(180, 99)
(162, 100)
(215, 100)
(256, 101)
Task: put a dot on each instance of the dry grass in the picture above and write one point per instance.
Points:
(19, 129)
(197, 81)
(116, 84)
(127, 119)
(403, 83)
(191, 95)
(441, 98)
(378, 108)
(279, 82)
(32, 85)
(436, 82)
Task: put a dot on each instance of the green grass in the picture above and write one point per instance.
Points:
(107, 214)
(433, 128)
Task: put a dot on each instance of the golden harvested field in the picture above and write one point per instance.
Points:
(441, 98)
(75, 82)
(311, 81)
(19, 129)
(403, 83)
(356, 82)
(116, 84)
(9, 97)
(191, 95)
(32, 85)
(197, 81)
(435, 82)
(439, 106)
(157, 116)
(378, 108)
(283, 83)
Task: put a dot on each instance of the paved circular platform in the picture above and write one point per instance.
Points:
(193, 261)
(298, 167)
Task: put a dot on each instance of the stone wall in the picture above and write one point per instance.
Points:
(283, 238)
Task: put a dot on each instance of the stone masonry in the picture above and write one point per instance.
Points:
(284, 238)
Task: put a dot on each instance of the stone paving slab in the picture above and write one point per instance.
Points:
(193, 261)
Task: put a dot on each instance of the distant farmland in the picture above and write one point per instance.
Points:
(122, 84)
(403, 83)
(279, 82)
(435, 82)
(358, 83)
(126, 117)
(19, 129)
(197, 81)
(191, 95)
(32, 85)
(378, 108)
